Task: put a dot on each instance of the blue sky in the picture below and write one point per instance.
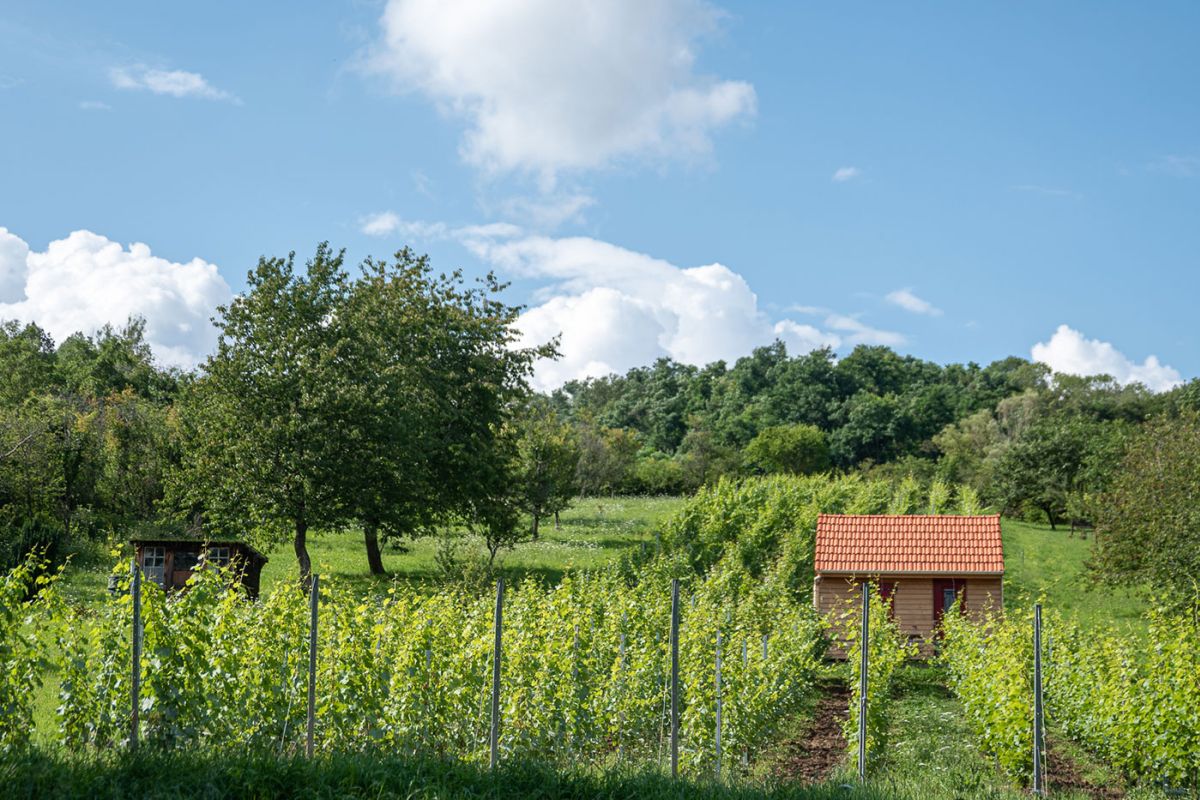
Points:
(961, 181)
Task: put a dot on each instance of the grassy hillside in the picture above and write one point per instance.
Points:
(1049, 565)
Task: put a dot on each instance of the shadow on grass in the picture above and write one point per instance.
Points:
(198, 774)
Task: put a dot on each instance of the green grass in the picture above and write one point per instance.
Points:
(931, 751)
(197, 774)
(1049, 565)
(594, 531)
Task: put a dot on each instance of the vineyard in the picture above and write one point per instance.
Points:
(1134, 703)
(585, 671)
(585, 668)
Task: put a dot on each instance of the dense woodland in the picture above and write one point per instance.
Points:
(395, 400)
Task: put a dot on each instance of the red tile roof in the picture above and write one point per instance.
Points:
(879, 543)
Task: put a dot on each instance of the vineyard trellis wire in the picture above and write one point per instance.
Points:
(1134, 702)
(583, 664)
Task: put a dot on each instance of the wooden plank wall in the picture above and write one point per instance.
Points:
(912, 608)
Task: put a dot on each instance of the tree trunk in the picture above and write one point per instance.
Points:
(557, 525)
(374, 559)
(301, 547)
(535, 527)
(1050, 516)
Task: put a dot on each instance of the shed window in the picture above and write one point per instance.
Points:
(185, 560)
(217, 556)
(154, 560)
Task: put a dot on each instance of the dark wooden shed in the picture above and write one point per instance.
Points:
(170, 562)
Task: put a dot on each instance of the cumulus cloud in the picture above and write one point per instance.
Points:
(615, 308)
(547, 86)
(904, 298)
(844, 174)
(86, 281)
(174, 82)
(1068, 351)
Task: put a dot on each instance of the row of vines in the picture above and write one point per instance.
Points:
(887, 650)
(1134, 702)
(585, 667)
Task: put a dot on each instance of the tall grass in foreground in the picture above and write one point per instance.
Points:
(200, 775)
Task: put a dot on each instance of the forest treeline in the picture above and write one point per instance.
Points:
(1027, 440)
(395, 400)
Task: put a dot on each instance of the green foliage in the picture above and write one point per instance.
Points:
(989, 664)
(607, 457)
(26, 595)
(1055, 462)
(769, 523)
(887, 650)
(409, 671)
(266, 447)
(371, 775)
(1135, 703)
(547, 460)
(659, 474)
(1148, 524)
(792, 449)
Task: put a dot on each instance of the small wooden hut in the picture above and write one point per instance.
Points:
(922, 564)
(170, 562)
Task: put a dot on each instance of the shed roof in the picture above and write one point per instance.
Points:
(200, 543)
(882, 543)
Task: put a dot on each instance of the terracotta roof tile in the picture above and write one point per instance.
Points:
(891, 543)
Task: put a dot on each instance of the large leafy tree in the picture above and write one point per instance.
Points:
(547, 459)
(27, 362)
(1148, 523)
(792, 449)
(267, 429)
(430, 372)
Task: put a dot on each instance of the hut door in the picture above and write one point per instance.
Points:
(945, 592)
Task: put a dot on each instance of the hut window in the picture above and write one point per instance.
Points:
(218, 556)
(185, 561)
(948, 598)
(153, 561)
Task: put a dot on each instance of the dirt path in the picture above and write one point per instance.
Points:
(812, 757)
(1062, 774)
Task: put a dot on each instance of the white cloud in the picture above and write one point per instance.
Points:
(85, 281)
(1069, 352)
(844, 174)
(387, 223)
(616, 309)
(548, 211)
(857, 332)
(176, 82)
(904, 298)
(547, 86)
(384, 223)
